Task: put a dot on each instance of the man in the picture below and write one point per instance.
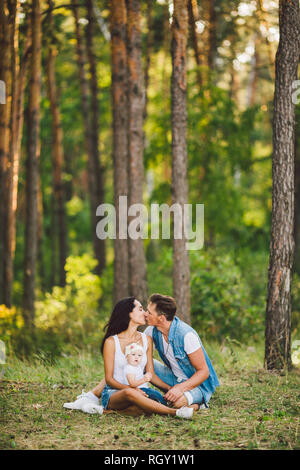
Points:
(187, 367)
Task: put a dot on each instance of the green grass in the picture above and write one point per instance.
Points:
(252, 409)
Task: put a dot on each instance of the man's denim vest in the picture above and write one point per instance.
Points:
(177, 332)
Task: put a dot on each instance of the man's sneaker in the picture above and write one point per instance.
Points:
(185, 412)
(91, 408)
(82, 400)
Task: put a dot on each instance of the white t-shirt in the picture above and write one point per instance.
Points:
(191, 344)
(137, 371)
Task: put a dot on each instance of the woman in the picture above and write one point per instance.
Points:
(122, 329)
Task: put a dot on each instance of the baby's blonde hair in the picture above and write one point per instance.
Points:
(133, 347)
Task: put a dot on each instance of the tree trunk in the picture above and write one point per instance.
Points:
(137, 260)
(40, 251)
(31, 223)
(118, 19)
(93, 167)
(297, 195)
(193, 17)
(57, 153)
(94, 124)
(212, 45)
(278, 311)
(253, 75)
(5, 77)
(10, 202)
(149, 47)
(165, 108)
(181, 269)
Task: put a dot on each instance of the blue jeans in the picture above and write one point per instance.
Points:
(167, 376)
(153, 394)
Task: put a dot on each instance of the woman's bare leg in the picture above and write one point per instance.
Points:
(99, 388)
(123, 399)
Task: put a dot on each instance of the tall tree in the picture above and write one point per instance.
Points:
(278, 310)
(5, 108)
(57, 150)
(94, 119)
(148, 52)
(212, 35)
(31, 223)
(181, 268)
(12, 167)
(93, 163)
(297, 194)
(193, 18)
(118, 20)
(136, 93)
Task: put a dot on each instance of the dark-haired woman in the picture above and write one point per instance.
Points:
(122, 330)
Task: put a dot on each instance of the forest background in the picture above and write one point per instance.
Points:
(230, 64)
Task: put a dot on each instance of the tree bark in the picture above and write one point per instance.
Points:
(253, 75)
(118, 20)
(297, 197)
(12, 166)
(181, 269)
(212, 45)
(136, 93)
(278, 310)
(94, 124)
(57, 153)
(149, 47)
(193, 17)
(31, 223)
(93, 165)
(5, 108)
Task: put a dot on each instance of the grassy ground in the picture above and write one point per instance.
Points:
(252, 409)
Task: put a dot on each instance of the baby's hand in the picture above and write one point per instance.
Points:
(148, 376)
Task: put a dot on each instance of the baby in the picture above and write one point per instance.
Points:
(133, 372)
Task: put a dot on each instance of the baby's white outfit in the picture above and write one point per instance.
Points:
(135, 370)
(121, 362)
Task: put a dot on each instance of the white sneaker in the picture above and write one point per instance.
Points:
(91, 408)
(82, 400)
(185, 412)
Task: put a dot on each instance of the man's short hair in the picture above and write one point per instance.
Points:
(165, 305)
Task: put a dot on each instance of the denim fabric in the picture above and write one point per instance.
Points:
(106, 394)
(177, 332)
(167, 376)
(154, 395)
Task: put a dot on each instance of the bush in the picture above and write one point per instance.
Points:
(72, 311)
(221, 302)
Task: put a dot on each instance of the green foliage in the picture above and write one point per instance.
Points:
(72, 311)
(221, 301)
(66, 317)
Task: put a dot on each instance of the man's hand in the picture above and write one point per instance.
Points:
(174, 393)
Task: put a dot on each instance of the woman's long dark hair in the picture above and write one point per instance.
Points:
(119, 319)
